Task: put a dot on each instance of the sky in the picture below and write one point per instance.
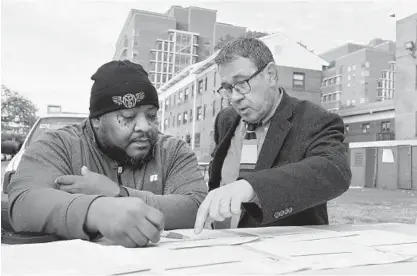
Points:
(51, 48)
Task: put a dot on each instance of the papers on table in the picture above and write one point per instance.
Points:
(272, 250)
(74, 257)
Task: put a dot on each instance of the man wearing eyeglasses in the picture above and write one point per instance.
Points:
(301, 160)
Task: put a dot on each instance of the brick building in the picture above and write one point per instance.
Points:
(189, 103)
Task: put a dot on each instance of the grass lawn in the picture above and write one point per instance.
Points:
(360, 206)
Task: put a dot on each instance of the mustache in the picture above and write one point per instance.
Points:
(143, 136)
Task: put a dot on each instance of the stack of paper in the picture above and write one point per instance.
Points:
(74, 257)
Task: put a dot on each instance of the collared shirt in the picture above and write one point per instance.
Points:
(231, 166)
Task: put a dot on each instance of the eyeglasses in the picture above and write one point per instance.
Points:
(242, 87)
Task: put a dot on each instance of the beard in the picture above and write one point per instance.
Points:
(120, 155)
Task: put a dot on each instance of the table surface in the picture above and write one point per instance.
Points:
(404, 268)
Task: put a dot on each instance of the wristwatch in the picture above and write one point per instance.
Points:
(123, 192)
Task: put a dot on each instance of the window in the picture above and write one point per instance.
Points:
(174, 101)
(186, 92)
(179, 119)
(166, 123)
(185, 117)
(367, 64)
(348, 102)
(349, 78)
(159, 45)
(341, 69)
(298, 80)
(353, 67)
(197, 140)
(353, 102)
(188, 139)
(166, 104)
(346, 128)
(214, 108)
(204, 111)
(192, 90)
(199, 115)
(191, 115)
(214, 80)
(365, 127)
(173, 121)
(349, 69)
(200, 86)
(385, 126)
(180, 96)
(205, 84)
(338, 79)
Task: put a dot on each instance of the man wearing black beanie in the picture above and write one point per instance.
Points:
(113, 175)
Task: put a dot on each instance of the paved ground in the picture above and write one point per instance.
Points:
(365, 206)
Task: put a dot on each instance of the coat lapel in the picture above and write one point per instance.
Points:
(229, 126)
(277, 132)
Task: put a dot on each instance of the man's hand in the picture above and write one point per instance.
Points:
(88, 183)
(126, 221)
(223, 202)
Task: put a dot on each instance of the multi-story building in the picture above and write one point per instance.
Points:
(406, 79)
(165, 44)
(369, 122)
(189, 102)
(359, 74)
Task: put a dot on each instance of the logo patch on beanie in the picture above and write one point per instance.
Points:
(129, 100)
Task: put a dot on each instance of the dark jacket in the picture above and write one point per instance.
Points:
(302, 164)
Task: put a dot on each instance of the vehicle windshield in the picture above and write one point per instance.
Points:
(47, 124)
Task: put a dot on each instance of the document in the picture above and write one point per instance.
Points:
(379, 238)
(212, 242)
(73, 257)
(408, 249)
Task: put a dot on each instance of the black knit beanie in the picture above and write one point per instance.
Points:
(121, 85)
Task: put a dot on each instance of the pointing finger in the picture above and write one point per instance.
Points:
(202, 215)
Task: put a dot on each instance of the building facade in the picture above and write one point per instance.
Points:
(369, 122)
(190, 103)
(165, 44)
(363, 75)
(406, 80)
